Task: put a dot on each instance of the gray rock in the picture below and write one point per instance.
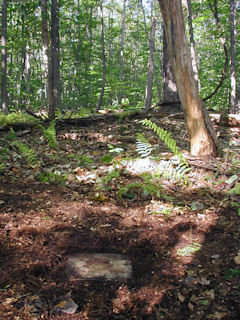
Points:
(108, 266)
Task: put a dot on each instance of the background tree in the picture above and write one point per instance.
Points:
(150, 72)
(4, 57)
(232, 19)
(103, 61)
(55, 59)
(46, 55)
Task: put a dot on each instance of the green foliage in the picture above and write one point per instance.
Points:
(165, 136)
(107, 159)
(147, 188)
(27, 153)
(235, 190)
(189, 249)
(50, 134)
(52, 177)
(85, 160)
(16, 117)
(143, 146)
(103, 183)
(2, 165)
(175, 170)
(231, 273)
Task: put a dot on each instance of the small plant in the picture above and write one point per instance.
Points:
(50, 134)
(27, 153)
(107, 159)
(52, 177)
(1, 168)
(165, 136)
(177, 169)
(189, 249)
(103, 183)
(85, 160)
(231, 273)
(146, 188)
(143, 146)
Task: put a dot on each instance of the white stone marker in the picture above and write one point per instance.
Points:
(109, 266)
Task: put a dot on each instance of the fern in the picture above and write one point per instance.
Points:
(143, 146)
(175, 170)
(26, 152)
(165, 136)
(146, 188)
(50, 134)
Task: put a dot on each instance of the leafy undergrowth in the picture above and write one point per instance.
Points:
(89, 191)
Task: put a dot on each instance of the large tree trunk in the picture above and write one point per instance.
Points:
(55, 76)
(170, 93)
(4, 57)
(201, 141)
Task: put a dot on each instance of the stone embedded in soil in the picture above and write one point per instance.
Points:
(109, 266)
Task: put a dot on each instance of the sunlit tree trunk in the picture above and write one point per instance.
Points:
(122, 47)
(55, 76)
(4, 57)
(201, 141)
(150, 73)
(233, 54)
(46, 54)
(103, 61)
(192, 44)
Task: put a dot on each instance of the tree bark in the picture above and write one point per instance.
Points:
(170, 93)
(233, 54)
(151, 40)
(150, 73)
(103, 60)
(55, 60)
(122, 48)
(201, 141)
(192, 44)
(4, 58)
(46, 54)
(223, 42)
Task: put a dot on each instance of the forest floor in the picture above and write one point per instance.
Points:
(90, 194)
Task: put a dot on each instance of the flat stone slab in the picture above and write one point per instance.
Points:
(109, 266)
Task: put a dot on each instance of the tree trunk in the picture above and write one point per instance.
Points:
(150, 73)
(46, 55)
(201, 142)
(170, 93)
(151, 41)
(55, 59)
(122, 48)
(103, 60)
(4, 58)
(192, 44)
(233, 54)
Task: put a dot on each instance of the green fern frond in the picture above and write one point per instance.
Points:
(50, 134)
(26, 152)
(165, 136)
(143, 146)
